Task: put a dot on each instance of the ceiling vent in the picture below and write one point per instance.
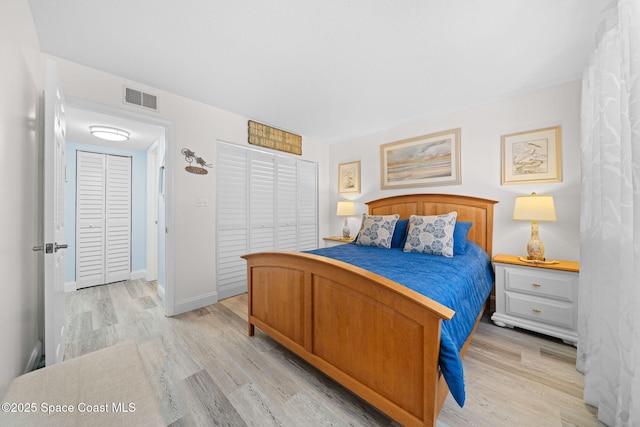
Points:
(139, 98)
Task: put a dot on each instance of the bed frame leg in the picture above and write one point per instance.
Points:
(251, 330)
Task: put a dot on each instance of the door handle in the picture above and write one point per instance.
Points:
(49, 247)
(56, 246)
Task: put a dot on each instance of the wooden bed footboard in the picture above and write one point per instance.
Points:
(379, 339)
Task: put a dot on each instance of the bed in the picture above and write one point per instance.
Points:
(378, 338)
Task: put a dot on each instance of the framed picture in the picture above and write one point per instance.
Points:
(421, 161)
(349, 178)
(532, 157)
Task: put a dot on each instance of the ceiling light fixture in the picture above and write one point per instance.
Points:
(109, 133)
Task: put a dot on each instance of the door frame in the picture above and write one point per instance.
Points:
(169, 292)
(152, 217)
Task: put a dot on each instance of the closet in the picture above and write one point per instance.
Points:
(103, 219)
(264, 202)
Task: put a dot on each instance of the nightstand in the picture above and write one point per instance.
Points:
(336, 240)
(538, 297)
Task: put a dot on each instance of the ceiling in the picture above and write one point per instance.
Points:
(79, 119)
(331, 69)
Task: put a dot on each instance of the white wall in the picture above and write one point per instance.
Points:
(482, 127)
(21, 81)
(196, 126)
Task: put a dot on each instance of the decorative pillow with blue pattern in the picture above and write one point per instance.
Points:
(377, 230)
(431, 234)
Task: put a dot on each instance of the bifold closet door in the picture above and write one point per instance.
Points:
(262, 190)
(90, 233)
(103, 219)
(264, 202)
(307, 206)
(232, 201)
(286, 204)
(118, 219)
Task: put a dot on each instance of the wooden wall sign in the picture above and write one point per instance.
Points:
(269, 137)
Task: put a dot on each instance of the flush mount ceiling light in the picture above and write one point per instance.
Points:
(108, 133)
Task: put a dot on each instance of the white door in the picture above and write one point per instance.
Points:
(103, 219)
(54, 167)
(286, 203)
(307, 205)
(262, 181)
(90, 221)
(232, 196)
(118, 219)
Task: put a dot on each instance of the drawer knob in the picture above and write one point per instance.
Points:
(536, 310)
(536, 285)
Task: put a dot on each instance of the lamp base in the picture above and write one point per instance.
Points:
(346, 233)
(535, 247)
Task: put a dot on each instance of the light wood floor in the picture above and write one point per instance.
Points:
(206, 371)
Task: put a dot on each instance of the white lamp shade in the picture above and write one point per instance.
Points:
(346, 208)
(534, 208)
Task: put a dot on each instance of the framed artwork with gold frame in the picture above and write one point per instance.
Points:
(532, 157)
(349, 178)
(422, 161)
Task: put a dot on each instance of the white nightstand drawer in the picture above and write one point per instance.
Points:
(551, 312)
(541, 283)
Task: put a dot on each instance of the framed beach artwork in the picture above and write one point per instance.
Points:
(349, 178)
(422, 161)
(532, 157)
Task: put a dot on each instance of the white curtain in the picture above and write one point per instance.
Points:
(609, 288)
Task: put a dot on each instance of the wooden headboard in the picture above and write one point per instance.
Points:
(470, 209)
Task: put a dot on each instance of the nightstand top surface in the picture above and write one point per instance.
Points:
(339, 239)
(560, 265)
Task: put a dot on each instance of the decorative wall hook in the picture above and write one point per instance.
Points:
(190, 156)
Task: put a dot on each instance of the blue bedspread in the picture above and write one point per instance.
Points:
(462, 283)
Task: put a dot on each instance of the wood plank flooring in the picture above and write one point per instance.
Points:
(206, 371)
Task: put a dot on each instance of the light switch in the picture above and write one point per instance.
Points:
(202, 201)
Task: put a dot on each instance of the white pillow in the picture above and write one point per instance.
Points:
(431, 234)
(377, 230)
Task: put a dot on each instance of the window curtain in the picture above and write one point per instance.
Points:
(609, 287)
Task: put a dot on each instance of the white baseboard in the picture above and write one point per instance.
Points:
(139, 274)
(161, 291)
(195, 303)
(232, 291)
(34, 359)
(135, 275)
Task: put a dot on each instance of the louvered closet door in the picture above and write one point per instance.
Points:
(90, 219)
(261, 201)
(307, 205)
(118, 219)
(103, 219)
(264, 202)
(287, 204)
(233, 218)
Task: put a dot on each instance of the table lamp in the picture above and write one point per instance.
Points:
(346, 208)
(534, 208)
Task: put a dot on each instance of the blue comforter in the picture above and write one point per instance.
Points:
(462, 283)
